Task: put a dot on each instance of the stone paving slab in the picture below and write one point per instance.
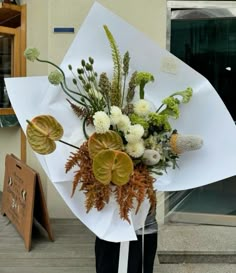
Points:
(196, 268)
(187, 268)
(197, 239)
(203, 249)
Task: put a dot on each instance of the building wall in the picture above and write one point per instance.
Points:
(42, 15)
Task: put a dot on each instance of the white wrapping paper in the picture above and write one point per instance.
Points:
(205, 115)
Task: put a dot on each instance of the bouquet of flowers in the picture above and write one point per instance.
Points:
(132, 142)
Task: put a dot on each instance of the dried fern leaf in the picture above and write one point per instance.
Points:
(80, 112)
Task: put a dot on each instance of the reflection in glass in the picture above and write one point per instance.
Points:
(5, 67)
(208, 45)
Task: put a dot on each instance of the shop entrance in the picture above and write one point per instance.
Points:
(204, 37)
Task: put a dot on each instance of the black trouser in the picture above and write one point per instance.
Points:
(107, 255)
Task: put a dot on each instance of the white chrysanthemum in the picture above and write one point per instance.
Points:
(135, 149)
(101, 122)
(124, 123)
(134, 133)
(116, 115)
(142, 107)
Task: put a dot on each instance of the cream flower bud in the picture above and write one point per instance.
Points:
(151, 157)
(55, 77)
(31, 54)
(96, 94)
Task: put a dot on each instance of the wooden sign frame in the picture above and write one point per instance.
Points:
(23, 200)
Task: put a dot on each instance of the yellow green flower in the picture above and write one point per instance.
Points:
(136, 119)
(172, 107)
(142, 78)
(159, 121)
(186, 94)
(55, 77)
(31, 54)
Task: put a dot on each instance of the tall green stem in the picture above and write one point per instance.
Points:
(141, 90)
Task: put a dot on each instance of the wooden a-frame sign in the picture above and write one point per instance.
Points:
(23, 199)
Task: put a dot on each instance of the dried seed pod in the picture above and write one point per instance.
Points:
(151, 157)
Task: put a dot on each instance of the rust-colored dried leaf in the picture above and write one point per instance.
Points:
(97, 194)
(140, 186)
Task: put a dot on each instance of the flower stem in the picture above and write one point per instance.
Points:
(123, 91)
(141, 90)
(65, 85)
(163, 104)
(84, 127)
(159, 108)
(71, 145)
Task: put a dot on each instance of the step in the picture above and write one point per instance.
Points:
(178, 268)
(196, 268)
(186, 243)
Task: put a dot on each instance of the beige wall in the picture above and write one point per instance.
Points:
(42, 15)
(9, 144)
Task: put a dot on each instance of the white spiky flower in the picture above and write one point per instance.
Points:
(101, 122)
(134, 133)
(115, 115)
(124, 123)
(135, 149)
(142, 107)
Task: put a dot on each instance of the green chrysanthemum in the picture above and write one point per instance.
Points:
(172, 107)
(160, 121)
(186, 94)
(135, 119)
(142, 78)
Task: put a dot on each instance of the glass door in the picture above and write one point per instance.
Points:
(5, 67)
(12, 60)
(9, 67)
(204, 37)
